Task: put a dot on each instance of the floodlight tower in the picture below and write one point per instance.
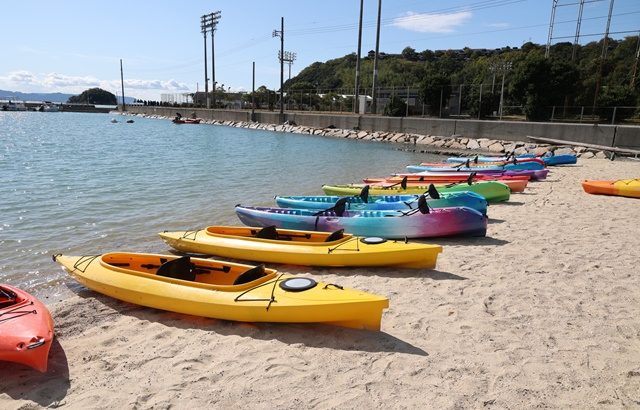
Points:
(214, 18)
(203, 29)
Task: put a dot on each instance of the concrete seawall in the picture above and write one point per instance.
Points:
(608, 135)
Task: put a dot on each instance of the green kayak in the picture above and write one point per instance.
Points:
(492, 191)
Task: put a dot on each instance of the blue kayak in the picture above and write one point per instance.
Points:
(561, 159)
(385, 202)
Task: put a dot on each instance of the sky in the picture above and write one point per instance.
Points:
(71, 45)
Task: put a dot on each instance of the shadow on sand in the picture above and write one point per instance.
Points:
(311, 335)
(47, 389)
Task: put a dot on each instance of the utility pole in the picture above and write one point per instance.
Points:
(124, 106)
(203, 30)
(357, 88)
(374, 104)
(213, 22)
(253, 92)
(280, 33)
(506, 66)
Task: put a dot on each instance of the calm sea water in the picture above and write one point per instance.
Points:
(78, 184)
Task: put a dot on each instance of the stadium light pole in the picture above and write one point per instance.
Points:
(203, 30)
(214, 18)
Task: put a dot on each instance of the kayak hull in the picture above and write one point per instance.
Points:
(306, 248)
(386, 224)
(26, 330)
(133, 278)
(627, 187)
(492, 191)
(385, 202)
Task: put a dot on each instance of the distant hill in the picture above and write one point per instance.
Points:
(53, 97)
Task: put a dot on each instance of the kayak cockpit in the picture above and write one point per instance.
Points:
(277, 234)
(209, 273)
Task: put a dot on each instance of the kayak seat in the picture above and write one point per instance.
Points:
(179, 268)
(339, 234)
(250, 275)
(268, 232)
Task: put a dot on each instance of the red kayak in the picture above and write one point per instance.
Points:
(26, 328)
(186, 120)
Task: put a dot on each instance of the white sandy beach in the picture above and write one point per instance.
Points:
(544, 312)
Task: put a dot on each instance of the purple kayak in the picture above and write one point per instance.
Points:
(537, 174)
(385, 224)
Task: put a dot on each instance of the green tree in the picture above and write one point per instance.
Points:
(435, 87)
(94, 96)
(396, 107)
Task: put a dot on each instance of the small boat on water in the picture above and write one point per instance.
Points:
(418, 223)
(223, 290)
(186, 120)
(295, 247)
(621, 187)
(26, 329)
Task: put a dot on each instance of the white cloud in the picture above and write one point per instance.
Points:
(19, 77)
(61, 80)
(431, 23)
(26, 81)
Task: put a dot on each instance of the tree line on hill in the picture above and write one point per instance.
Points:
(567, 77)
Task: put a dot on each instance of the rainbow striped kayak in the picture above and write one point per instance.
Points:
(492, 191)
(384, 224)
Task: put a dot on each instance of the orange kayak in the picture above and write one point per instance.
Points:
(516, 185)
(621, 187)
(26, 328)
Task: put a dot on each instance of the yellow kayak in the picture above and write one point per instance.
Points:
(223, 290)
(308, 248)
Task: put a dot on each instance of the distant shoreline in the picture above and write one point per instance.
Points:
(453, 145)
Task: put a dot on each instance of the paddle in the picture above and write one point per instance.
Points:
(364, 194)
(433, 192)
(423, 207)
(403, 184)
(339, 207)
(470, 179)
